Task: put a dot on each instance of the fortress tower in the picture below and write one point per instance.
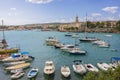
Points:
(77, 19)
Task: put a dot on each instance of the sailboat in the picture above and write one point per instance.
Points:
(76, 50)
(87, 39)
(4, 48)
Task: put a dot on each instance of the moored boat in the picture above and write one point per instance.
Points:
(13, 63)
(78, 67)
(65, 71)
(92, 68)
(49, 67)
(103, 66)
(16, 70)
(17, 75)
(17, 57)
(24, 65)
(32, 73)
(51, 41)
(77, 51)
(9, 50)
(88, 39)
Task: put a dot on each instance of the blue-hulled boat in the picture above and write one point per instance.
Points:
(32, 73)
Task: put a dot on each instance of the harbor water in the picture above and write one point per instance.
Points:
(34, 42)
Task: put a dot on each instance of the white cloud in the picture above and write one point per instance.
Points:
(111, 18)
(112, 9)
(39, 1)
(13, 9)
(96, 14)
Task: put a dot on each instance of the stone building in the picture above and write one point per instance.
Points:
(77, 24)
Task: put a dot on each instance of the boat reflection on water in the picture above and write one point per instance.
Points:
(34, 78)
(49, 77)
(65, 78)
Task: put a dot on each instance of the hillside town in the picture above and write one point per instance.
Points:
(76, 26)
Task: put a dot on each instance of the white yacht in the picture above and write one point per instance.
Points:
(51, 41)
(78, 67)
(49, 67)
(104, 45)
(77, 51)
(103, 66)
(92, 68)
(65, 71)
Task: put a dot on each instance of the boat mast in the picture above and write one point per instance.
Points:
(4, 40)
(86, 24)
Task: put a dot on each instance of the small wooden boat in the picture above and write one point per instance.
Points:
(65, 71)
(24, 65)
(17, 75)
(49, 67)
(32, 73)
(78, 67)
(103, 66)
(11, 50)
(13, 63)
(16, 70)
(92, 68)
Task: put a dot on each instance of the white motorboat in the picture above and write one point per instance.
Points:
(69, 46)
(108, 35)
(65, 49)
(16, 70)
(65, 71)
(68, 34)
(51, 41)
(113, 65)
(92, 68)
(98, 42)
(24, 65)
(78, 67)
(32, 73)
(103, 66)
(17, 75)
(13, 63)
(49, 67)
(77, 51)
(59, 45)
(75, 36)
(16, 57)
(104, 45)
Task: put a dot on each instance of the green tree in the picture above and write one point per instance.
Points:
(109, 75)
(108, 24)
(118, 25)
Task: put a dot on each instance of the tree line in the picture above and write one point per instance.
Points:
(102, 75)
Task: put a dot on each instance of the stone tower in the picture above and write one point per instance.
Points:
(77, 19)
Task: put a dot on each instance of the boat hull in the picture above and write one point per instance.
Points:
(4, 51)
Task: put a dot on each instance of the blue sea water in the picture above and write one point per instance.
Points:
(34, 42)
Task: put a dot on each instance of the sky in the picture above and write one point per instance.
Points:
(20, 12)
